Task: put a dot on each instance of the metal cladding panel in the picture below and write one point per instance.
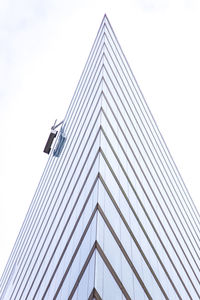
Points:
(111, 217)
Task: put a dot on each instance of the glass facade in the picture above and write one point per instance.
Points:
(111, 217)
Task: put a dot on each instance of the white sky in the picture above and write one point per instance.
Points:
(44, 45)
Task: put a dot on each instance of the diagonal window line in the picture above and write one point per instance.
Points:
(77, 125)
(89, 65)
(101, 35)
(74, 255)
(147, 213)
(140, 168)
(81, 273)
(52, 188)
(155, 195)
(123, 192)
(137, 175)
(86, 90)
(73, 188)
(126, 255)
(132, 234)
(13, 253)
(92, 164)
(112, 271)
(91, 296)
(113, 85)
(148, 113)
(138, 115)
(96, 295)
(69, 167)
(68, 241)
(72, 176)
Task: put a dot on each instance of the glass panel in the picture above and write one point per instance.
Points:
(86, 284)
(105, 284)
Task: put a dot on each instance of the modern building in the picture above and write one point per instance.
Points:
(111, 217)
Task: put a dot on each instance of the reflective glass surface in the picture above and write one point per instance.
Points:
(111, 217)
